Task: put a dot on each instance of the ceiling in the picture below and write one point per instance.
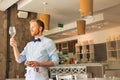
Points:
(5, 4)
(62, 11)
(66, 12)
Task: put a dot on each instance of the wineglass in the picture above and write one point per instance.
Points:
(12, 31)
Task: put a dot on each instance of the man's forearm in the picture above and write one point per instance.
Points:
(38, 64)
(47, 64)
(16, 53)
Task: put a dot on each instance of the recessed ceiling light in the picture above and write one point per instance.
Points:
(45, 3)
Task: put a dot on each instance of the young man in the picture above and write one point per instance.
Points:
(38, 54)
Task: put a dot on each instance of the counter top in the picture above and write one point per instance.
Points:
(81, 64)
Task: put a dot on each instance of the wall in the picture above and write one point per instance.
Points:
(22, 37)
(102, 35)
(3, 43)
(97, 36)
(9, 68)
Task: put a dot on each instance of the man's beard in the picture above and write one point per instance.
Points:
(37, 33)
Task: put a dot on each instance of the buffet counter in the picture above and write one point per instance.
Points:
(90, 69)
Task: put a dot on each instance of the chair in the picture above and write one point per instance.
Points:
(81, 76)
(64, 77)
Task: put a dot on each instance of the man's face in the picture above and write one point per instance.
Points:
(34, 28)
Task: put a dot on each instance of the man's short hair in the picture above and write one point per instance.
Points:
(39, 22)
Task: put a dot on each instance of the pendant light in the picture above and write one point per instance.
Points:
(86, 8)
(81, 26)
(45, 17)
(46, 20)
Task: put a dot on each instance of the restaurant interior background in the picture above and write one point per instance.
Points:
(101, 38)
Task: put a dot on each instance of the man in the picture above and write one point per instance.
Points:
(38, 54)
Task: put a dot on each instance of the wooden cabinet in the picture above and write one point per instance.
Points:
(71, 46)
(66, 51)
(113, 57)
(85, 52)
(58, 46)
(113, 50)
(66, 47)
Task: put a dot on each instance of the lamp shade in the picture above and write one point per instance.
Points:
(81, 26)
(46, 20)
(86, 7)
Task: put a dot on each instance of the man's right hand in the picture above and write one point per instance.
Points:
(31, 64)
(13, 42)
